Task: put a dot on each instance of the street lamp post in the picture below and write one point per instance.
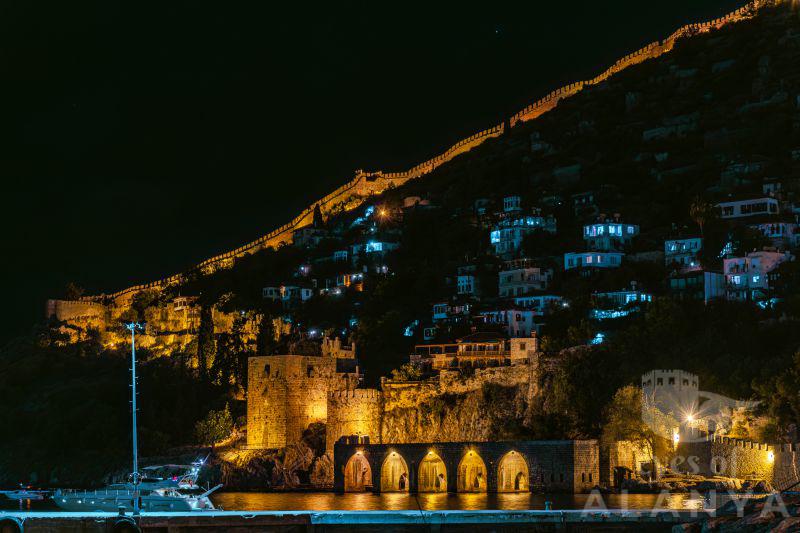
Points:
(133, 326)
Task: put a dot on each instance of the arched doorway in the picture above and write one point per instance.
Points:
(394, 474)
(432, 474)
(357, 474)
(471, 473)
(512, 473)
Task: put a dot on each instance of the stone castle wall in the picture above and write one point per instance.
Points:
(353, 412)
(287, 393)
(282, 397)
(778, 464)
(365, 184)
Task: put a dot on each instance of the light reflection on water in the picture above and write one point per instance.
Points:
(325, 501)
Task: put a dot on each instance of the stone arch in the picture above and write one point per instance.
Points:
(471, 473)
(432, 474)
(357, 474)
(512, 473)
(394, 474)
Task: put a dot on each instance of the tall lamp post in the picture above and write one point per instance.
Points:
(133, 326)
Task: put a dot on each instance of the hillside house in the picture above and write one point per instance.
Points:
(592, 260)
(609, 236)
(618, 304)
(697, 285)
(747, 278)
(507, 234)
(522, 277)
(683, 253)
(748, 208)
(476, 350)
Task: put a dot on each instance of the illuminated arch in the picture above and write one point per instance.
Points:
(471, 473)
(394, 474)
(357, 474)
(432, 476)
(512, 473)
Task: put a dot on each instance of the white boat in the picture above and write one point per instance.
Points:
(122, 497)
(140, 493)
(24, 494)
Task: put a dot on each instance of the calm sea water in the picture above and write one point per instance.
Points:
(326, 501)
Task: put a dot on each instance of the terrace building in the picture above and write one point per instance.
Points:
(477, 349)
(506, 235)
(609, 236)
(748, 208)
(618, 304)
(519, 278)
(516, 322)
(541, 304)
(697, 285)
(683, 253)
(592, 260)
(782, 234)
(747, 278)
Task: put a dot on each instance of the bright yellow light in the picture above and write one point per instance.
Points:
(393, 454)
(770, 456)
(470, 453)
(676, 437)
(690, 418)
(430, 453)
(382, 212)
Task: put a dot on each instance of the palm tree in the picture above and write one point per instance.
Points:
(700, 211)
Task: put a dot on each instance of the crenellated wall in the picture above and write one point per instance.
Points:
(353, 412)
(365, 184)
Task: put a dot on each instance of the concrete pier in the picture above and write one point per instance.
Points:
(365, 521)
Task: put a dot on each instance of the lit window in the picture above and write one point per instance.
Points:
(756, 279)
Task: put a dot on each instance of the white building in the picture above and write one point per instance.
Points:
(783, 235)
(507, 234)
(748, 208)
(608, 236)
(697, 285)
(683, 252)
(515, 322)
(592, 260)
(466, 284)
(747, 277)
(451, 312)
(287, 293)
(372, 249)
(541, 304)
(520, 279)
(512, 204)
(618, 304)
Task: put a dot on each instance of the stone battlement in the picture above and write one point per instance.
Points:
(350, 195)
(360, 394)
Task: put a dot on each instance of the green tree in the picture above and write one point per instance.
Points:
(230, 361)
(407, 372)
(623, 420)
(206, 345)
(215, 427)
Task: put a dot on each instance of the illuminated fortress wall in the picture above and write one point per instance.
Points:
(351, 194)
(287, 393)
(353, 412)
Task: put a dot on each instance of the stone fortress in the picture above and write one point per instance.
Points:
(97, 311)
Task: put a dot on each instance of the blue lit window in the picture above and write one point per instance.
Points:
(756, 279)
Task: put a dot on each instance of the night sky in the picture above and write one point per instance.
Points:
(140, 139)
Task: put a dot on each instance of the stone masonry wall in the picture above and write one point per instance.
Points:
(353, 412)
(287, 393)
